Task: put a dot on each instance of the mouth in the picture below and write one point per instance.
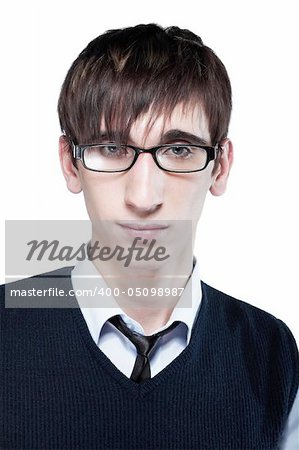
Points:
(144, 231)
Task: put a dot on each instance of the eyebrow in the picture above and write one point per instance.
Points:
(178, 135)
(170, 135)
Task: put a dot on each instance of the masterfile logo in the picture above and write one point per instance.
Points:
(113, 262)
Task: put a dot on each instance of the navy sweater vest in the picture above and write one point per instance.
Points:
(231, 388)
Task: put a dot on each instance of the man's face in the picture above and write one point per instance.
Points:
(146, 194)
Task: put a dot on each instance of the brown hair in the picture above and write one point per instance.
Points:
(122, 73)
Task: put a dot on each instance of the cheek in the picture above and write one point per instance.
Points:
(188, 194)
(102, 196)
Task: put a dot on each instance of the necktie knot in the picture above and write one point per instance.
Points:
(144, 346)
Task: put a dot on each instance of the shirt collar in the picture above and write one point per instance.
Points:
(97, 309)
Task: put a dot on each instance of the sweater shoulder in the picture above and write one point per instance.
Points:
(59, 278)
(260, 333)
(253, 324)
(240, 311)
(64, 272)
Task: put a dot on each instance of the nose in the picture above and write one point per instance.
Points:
(144, 186)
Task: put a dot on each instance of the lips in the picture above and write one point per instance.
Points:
(136, 226)
(146, 231)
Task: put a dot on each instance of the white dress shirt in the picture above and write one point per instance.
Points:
(122, 352)
(113, 343)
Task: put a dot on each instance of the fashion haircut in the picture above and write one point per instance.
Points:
(124, 73)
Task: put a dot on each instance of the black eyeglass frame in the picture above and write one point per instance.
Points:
(78, 154)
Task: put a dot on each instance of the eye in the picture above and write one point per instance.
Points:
(177, 151)
(180, 151)
(109, 151)
(111, 148)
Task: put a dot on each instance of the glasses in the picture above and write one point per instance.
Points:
(179, 158)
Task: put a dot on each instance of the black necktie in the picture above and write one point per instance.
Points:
(144, 346)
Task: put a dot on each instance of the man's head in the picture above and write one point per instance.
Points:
(146, 86)
(123, 73)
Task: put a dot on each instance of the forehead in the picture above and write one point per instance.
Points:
(154, 127)
(151, 129)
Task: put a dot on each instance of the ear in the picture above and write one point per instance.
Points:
(70, 172)
(221, 174)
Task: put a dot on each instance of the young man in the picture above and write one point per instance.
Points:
(165, 361)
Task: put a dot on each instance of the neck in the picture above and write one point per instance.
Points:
(150, 319)
(148, 291)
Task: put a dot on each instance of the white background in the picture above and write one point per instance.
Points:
(248, 239)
